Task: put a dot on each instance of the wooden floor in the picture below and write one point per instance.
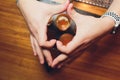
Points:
(100, 62)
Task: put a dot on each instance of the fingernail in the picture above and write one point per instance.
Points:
(34, 54)
(41, 62)
(49, 63)
(59, 66)
(52, 65)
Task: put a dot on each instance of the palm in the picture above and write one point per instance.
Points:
(88, 29)
(37, 15)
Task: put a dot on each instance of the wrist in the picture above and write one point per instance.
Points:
(108, 22)
(112, 16)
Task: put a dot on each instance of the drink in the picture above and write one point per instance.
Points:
(62, 22)
(66, 38)
(61, 27)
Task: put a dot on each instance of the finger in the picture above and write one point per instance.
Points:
(33, 45)
(39, 52)
(59, 59)
(72, 13)
(76, 41)
(44, 43)
(48, 56)
(60, 8)
(42, 37)
(60, 65)
(73, 44)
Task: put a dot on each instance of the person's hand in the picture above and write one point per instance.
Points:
(40, 52)
(37, 15)
(88, 29)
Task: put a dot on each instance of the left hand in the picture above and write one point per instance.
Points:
(88, 29)
(37, 15)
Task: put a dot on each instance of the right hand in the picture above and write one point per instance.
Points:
(88, 30)
(37, 15)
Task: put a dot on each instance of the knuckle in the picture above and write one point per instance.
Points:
(41, 43)
(40, 57)
(67, 51)
(58, 60)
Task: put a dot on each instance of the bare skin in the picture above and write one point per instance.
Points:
(37, 15)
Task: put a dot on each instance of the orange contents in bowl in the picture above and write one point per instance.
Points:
(66, 38)
(63, 22)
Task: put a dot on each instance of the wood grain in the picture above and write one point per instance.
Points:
(99, 62)
(89, 8)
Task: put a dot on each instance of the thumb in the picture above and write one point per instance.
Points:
(72, 13)
(60, 8)
(71, 46)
